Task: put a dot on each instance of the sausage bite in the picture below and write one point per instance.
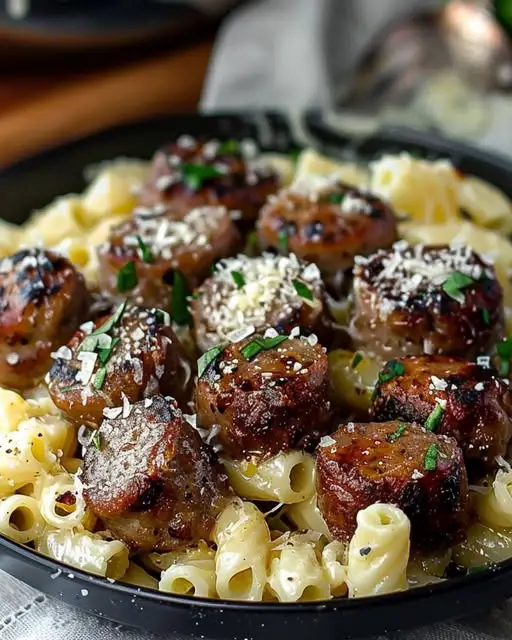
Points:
(449, 396)
(398, 463)
(143, 254)
(192, 173)
(328, 224)
(132, 354)
(43, 299)
(416, 299)
(267, 394)
(151, 479)
(255, 293)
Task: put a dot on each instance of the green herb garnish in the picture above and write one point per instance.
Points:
(104, 354)
(356, 359)
(208, 358)
(282, 240)
(302, 290)
(486, 317)
(96, 440)
(435, 417)
(295, 154)
(147, 254)
(252, 244)
(179, 300)
(454, 285)
(238, 279)
(99, 378)
(112, 321)
(397, 433)
(504, 350)
(336, 198)
(195, 174)
(430, 462)
(258, 345)
(392, 370)
(127, 277)
(229, 147)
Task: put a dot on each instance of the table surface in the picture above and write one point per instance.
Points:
(40, 110)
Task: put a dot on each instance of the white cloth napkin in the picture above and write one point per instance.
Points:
(271, 53)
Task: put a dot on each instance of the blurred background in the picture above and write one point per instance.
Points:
(72, 67)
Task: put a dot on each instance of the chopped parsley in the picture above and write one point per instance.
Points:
(435, 418)
(179, 300)
(238, 279)
(486, 317)
(454, 285)
(127, 277)
(356, 359)
(302, 290)
(430, 461)
(392, 370)
(251, 349)
(504, 350)
(99, 378)
(397, 433)
(105, 354)
(96, 440)
(112, 321)
(195, 175)
(282, 240)
(145, 251)
(336, 198)
(295, 154)
(229, 147)
(208, 358)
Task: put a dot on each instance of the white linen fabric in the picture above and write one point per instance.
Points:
(270, 53)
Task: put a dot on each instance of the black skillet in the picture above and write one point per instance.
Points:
(33, 183)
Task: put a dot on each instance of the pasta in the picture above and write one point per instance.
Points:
(287, 478)
(86, 551)
(494, 507)
(190, 573)
(379, 552)
(306, 515)
(296, 571)
(428, 192)
(20, 518)
(243, 550)
(280, 552)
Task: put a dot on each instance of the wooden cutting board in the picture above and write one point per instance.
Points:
(40, 111)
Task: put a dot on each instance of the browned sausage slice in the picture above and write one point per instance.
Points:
(328, 225)
(269, 402)
(191, 173)
(267, 291)
(156, 246)
(417, 299)
(151, 479)
(397, 463)
(131, 354)
(450, 396)
(43, 299)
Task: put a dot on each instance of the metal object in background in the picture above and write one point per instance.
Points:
(433, 68)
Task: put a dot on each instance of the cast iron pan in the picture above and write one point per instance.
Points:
(33, 183)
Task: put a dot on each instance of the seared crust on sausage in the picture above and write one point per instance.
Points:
(192, 173)
(267, 291)
(437, 299)
(472, 405)
(190, 245)
(151, 479)
(138, 357)
(43, 299)
(328, 225)
(398, 463)
(273, 402)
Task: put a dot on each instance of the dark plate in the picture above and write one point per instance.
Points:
(33, 183)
